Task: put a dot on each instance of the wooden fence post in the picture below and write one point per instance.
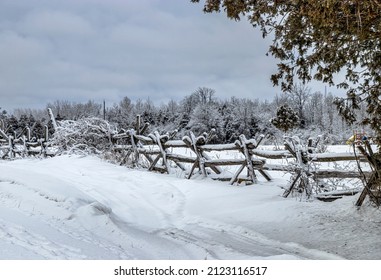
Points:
(11, 144)
(53, 119)
(372, 186)
(303, 166)
(4, 135)
(191, 142)
(135, 153)
(160, 140)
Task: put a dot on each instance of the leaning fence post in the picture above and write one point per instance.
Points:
(44, 141)
(162, 150)
(53, 119)
(11, 146)
(135, 160)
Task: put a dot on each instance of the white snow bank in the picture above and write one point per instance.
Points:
(72, 207)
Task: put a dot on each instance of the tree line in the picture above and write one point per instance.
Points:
(201, 111)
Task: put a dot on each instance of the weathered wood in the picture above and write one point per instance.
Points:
(265, 174)
(309, 144)
(144, 128)
(178, 163)
(219, 147)
(280, 167)
(144, 139)
(162, 150)
(369, 156)
(371, 189)
(325, 173)
(46, 133)
(290, 149)
(216, 169)
(239, 180)
(225, 162)
(364, 192)
(332, 157)
(4, 135)
(372, 186)
(324, 157)
(191, 142)
(175, 144)
(246, 163)
(271, 154)
(148, 152)
(152, 166)
(28, 134)
(251, 144)
(121, 135)
(199, 141)
(348, 192)
(159, 169)
(127, 156)
(53, 119)
(150, 160)
(249, 163)
(328, 198)
(34, 144)
(11, 145)
(137, 124)
(235, 177)
(194, 165)
(259, 140)
(134, 148)
(181, 158)
(201, 159)
(289, 190)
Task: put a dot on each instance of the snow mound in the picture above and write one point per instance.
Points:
(95, 209)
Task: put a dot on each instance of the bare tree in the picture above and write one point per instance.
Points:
(204, 95)
(298, 97)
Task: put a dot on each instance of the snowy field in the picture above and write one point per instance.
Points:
(73, 207)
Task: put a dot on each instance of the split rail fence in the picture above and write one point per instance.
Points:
(12, 146)
(158, 151)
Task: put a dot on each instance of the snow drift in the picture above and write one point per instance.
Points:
(72, 207)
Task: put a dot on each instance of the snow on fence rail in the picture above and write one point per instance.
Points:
(157, 150)
(12, 146)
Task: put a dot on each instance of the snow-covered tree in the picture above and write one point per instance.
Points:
(205, 118)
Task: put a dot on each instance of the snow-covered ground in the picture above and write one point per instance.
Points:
(72, 207)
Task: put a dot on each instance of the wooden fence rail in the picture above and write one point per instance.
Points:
(156, 149)
(253, 159)
(11, 146)
(159, 150)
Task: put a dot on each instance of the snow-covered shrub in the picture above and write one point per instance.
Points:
(87, 135)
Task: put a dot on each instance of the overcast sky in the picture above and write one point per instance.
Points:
(81, 50)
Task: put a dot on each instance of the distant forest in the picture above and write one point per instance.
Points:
(202, 111)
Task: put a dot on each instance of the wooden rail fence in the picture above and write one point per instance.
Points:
(158, 151)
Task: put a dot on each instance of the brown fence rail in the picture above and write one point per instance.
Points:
(158, 151)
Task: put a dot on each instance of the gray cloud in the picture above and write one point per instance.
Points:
(157, 49)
